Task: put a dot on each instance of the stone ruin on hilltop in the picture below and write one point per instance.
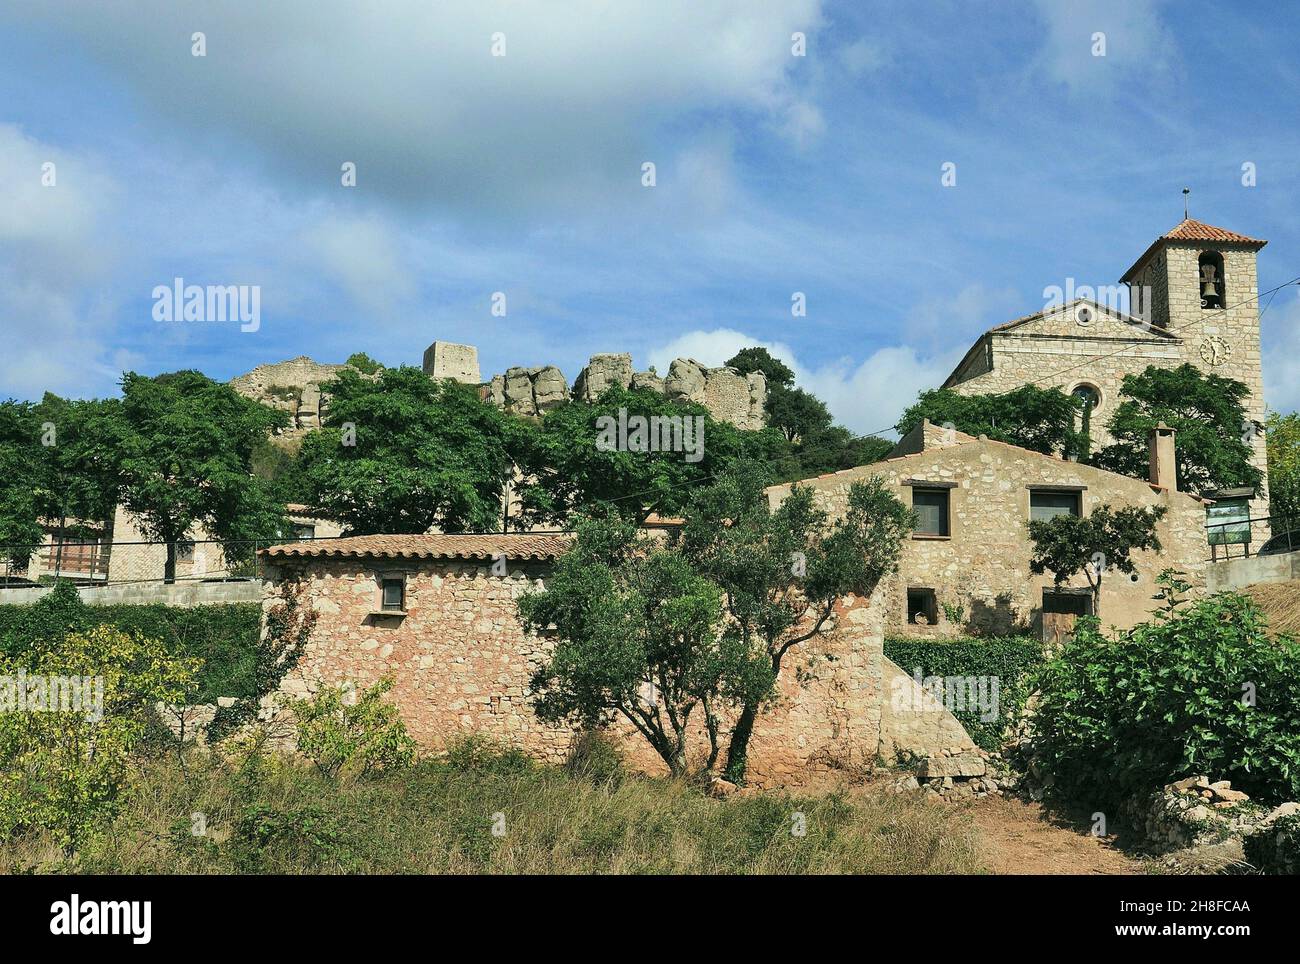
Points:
(293, 386)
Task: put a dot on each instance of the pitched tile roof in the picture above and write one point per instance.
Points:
(1190, 229)
(511, 546)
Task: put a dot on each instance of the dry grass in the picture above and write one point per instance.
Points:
(276, 816)
(1280, 602)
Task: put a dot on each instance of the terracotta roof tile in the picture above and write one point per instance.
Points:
(1190, 229)
(512, 546)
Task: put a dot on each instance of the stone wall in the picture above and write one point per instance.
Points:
(291, 386)
(461, 662)
(182, 594)
(984, 564)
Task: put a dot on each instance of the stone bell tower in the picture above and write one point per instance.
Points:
(1198, 283)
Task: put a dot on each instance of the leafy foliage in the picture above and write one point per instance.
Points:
(781, 571)
(64, 771)
(1039, 419)
(353, 739)
(363, 363)
(1208, 412)
(427, 453)
(1012, 660)
(639, 635)
(566, 474)
(1172, 698)
(289, 625)
(817, 445)
(1284, 469)
(1106, 538)
(184, 445)
(223, 639)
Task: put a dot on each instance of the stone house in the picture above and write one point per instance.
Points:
(437, 613)
(971, 550)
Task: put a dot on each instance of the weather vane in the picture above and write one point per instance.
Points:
(1186, 191)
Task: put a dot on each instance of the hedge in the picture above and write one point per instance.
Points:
(223, 636)
(1009, 659)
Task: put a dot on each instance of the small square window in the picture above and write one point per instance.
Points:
(931, 506)
(922, 607)
(393, 594)
(1046, 504)
(185, 551)
(305, 532)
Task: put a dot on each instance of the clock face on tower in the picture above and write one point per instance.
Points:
(1215, 351)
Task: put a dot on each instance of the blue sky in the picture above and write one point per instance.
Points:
(522, 174)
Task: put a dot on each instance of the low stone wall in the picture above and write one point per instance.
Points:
(461, 664)
(184, 594)
(1240, 573)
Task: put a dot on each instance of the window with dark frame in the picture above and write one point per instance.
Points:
(393, 594)
(931, 507)
(1048, 504)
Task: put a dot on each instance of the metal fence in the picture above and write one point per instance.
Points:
(1244, 537)
(91, 561)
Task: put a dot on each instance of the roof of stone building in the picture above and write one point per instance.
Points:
(1189, 229)
(492, 546)
(1117, 315)
(1154, 331)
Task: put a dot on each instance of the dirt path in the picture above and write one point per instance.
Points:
(1020, 838)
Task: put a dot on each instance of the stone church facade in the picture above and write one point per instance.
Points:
(1193, 297)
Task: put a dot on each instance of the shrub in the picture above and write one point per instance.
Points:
(1011, 660)
(353, 739)
(63, 768)
(1276, 849)
(1202, 690)
(222, 637)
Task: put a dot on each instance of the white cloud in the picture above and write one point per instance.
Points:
(51, 245)
(1136, 42)
(1282, 356)
(410, 90)
(865, 397)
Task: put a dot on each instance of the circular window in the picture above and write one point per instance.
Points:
(1089, 395)
(1083, 316)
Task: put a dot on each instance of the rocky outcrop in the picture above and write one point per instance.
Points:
(529, 391)
(601, 372)
(291, 386)
(727, 395)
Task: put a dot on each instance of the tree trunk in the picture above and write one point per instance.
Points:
(169, 567)
(738, 747)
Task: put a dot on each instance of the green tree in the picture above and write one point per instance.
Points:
(639, 635)
(1039, 419)
(818, 445)
(20, 528)
(402, 453)
(363, 363)
(1283, 435)
(1105, 539)
(1208, 412)
(184, 446)
(782, 570)
(567, 470)
(64, 767)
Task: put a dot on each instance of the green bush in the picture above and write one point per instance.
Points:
(1011, 660)
(353, 738)
(223, 638)
(1199, 691)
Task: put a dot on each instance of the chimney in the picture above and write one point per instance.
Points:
(1164, 466)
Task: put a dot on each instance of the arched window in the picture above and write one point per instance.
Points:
(1210, 268)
